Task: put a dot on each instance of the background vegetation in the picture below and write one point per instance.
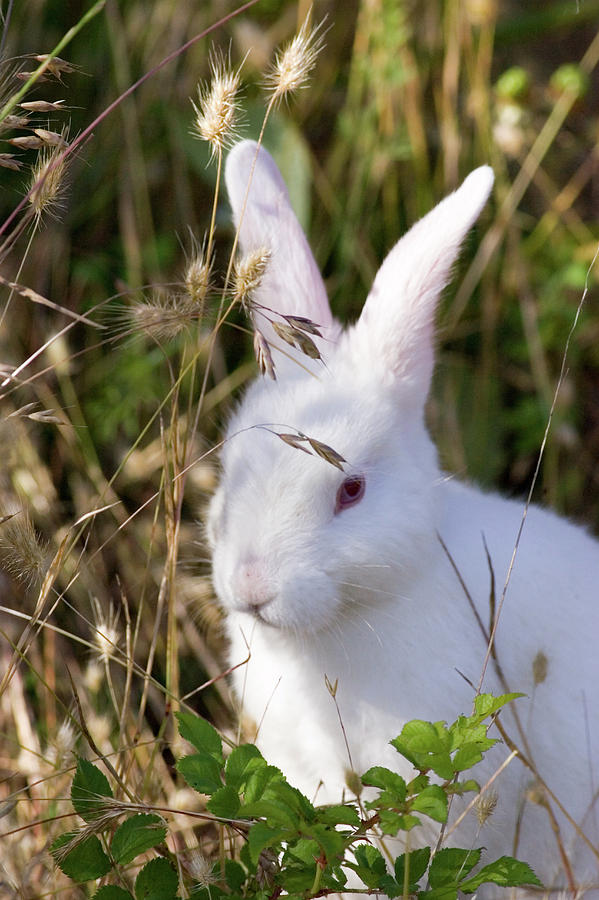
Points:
(407, 97)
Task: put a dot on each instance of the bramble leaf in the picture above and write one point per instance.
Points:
(201, 735)
(201, 772)
(85, 861)
(505, 871)
(89, 789)
(136, 835)
(157, 881)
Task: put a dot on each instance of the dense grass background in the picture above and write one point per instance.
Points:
(407, 98)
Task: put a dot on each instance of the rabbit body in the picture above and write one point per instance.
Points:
(375, 592)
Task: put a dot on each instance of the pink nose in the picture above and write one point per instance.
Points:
(252, 585)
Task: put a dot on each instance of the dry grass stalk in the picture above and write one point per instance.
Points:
(248, 272)
(24, 556)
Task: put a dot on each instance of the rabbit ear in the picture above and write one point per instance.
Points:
(292, 284)
(395, 332)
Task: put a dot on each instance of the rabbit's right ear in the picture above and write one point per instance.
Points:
(292, 284)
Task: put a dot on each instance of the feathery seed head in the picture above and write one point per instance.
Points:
(485, 806)
(22, 553)
(163, 317)
(197, 277)
(106, 634)
(47, 188)
(217, 108)
(248, 273)
(293, 64)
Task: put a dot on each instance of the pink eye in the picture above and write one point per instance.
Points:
(350, 492)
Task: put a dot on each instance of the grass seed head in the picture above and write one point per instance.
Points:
(217, 109)
(48, 184)
(197, 278)
(248, 274)
(485, 806)
(263, 355)
(294, 63)
(22, 553)
(163, 317)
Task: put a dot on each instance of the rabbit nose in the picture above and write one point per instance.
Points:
(253, 588)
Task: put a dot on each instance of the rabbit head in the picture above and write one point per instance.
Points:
(301, 539)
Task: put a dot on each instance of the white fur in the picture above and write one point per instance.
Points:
(368, 596)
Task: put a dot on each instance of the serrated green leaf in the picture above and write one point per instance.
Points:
(391, 822)
(426, 745)
(136, 835)
(274, 811)
(258, 781)
(242, 761)
(468, 755)
(235, 875)
(201, 772)
(112, 892)
(417, 863)
(261, 836)
(463, 787)
(371, 869)
(505, 871)
(89, 789)
(339, 815)
(387, 780)
(486, 704)
(451, 864)
(449, 892)
(432, 801)
(201, 735)
(85, 861)
(225, 802)
(157, 881)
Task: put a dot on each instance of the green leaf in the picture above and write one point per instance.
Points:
(235, 875)
(225, 802)
(486, 704)
(450, 864)
(463, 787)
(448, 892)
(370, 864)
(339, 815)
(201, 734)
(258, 781)
(505, 871)
(157, 881)
(417, 862)
(426, 745)
(242, 761)
(385, 779)
(392, 822)
(275, 811)
(136, 835)
(89, 789)
(112, 892)
(470, 754)
(261, 836)
(201, 772)
(432, 801)
(85, 861)
(330, 841)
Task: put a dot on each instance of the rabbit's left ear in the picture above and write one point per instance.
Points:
(292, 284)
(394, 335)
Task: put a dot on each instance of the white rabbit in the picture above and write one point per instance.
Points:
(352, 574)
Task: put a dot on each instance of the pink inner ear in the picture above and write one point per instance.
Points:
(394, 335)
